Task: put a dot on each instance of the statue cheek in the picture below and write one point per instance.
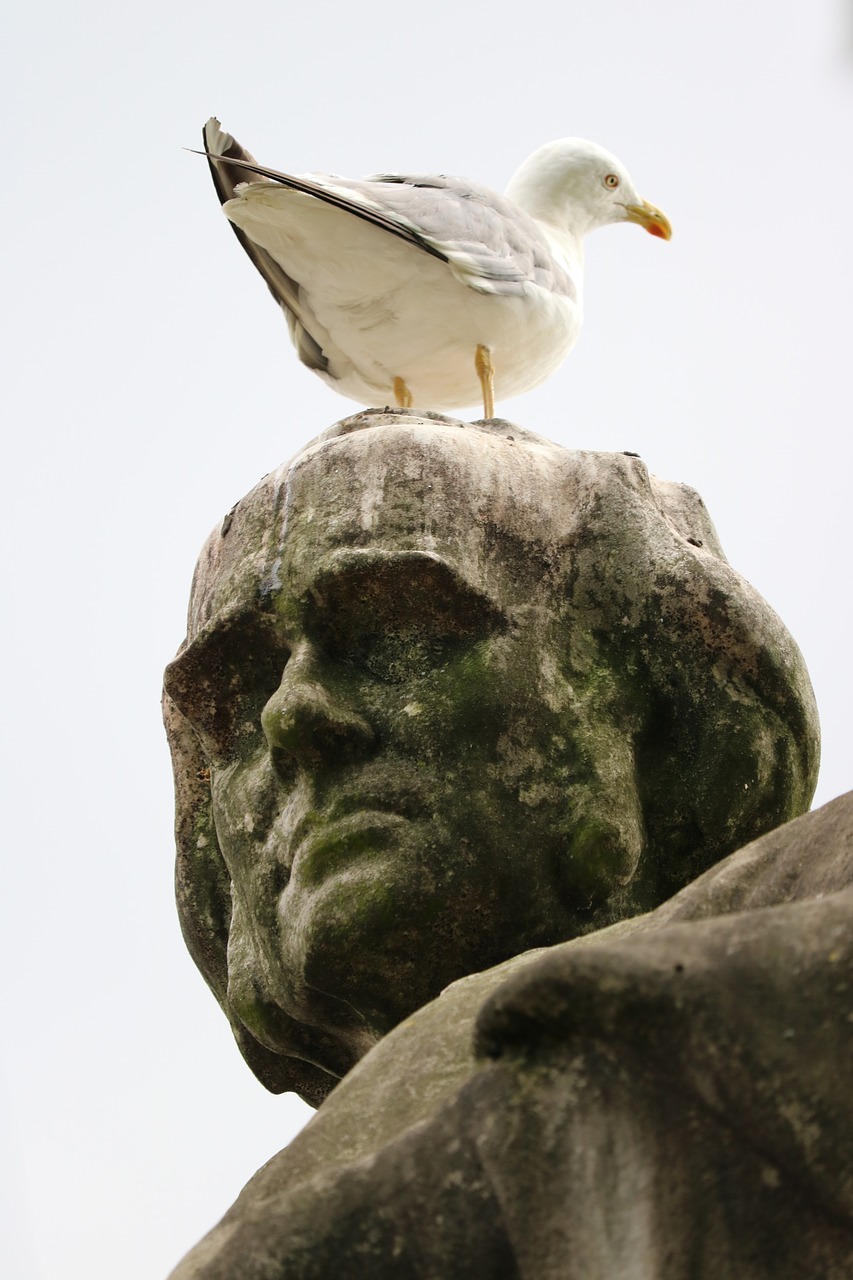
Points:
(248, 798)
(462, 707)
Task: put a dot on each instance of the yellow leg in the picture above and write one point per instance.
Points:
(402, 394)
(486, 374)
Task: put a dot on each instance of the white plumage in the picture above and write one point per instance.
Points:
(422, 288)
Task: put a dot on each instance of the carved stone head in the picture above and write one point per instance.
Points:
(450, 692)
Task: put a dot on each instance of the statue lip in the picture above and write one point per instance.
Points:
(404, 804)
(332, 841)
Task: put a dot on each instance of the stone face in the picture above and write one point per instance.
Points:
(450, 693)
(669, 1098)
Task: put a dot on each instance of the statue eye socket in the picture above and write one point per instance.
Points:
(399, 617)
(402, 654)
(612, 181)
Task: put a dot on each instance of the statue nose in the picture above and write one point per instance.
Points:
(312, 717)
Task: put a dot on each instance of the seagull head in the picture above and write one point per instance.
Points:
(576, 186)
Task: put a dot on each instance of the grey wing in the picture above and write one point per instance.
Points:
(488, 242)
(220, 148)
(224, 153)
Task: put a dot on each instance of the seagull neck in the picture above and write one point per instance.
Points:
(567, 249)
(538, 202)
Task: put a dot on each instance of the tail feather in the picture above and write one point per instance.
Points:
(220, 147)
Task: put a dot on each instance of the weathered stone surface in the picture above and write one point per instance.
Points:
(669, 1099)
(451, 692)
(457, 711)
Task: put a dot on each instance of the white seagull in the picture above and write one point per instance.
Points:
(430, 289)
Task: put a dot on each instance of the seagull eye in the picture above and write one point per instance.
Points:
(612, 181)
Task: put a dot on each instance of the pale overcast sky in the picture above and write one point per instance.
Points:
(149, 383)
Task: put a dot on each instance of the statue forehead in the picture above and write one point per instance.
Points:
(483, 503)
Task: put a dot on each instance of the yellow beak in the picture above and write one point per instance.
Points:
(646, 215)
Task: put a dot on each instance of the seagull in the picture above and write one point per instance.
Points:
(431, 289)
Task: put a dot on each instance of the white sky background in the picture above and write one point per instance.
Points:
(150, 383)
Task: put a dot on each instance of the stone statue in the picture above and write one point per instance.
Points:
(458, 712)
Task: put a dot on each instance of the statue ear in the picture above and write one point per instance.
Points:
(711, 695)
(731, 743)
(203, 893)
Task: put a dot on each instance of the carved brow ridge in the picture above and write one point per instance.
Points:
(245, 625)
(333, 581)
(249, 625)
